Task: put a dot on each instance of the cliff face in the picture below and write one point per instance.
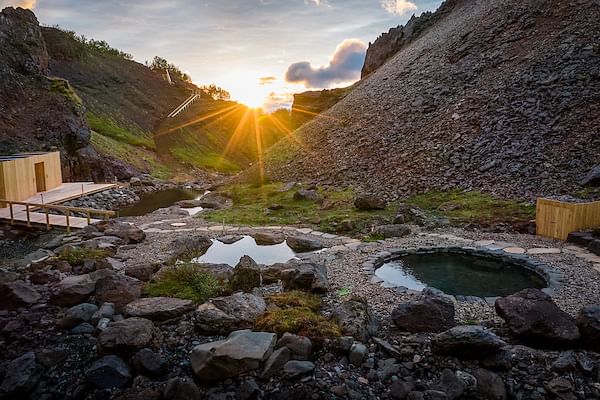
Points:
(308, 105)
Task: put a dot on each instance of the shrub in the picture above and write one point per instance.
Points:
(77, 255)
(185, 281)
(299, 320)
(296, 298)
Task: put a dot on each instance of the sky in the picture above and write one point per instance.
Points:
(262, 51)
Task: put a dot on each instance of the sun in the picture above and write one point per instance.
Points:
(245, 88)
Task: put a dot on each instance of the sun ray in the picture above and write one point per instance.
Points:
(198, 120)
(237, 133)
(259, 147)
(313, 113)
(281, 126)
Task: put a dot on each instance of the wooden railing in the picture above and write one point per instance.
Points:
(34, 207)
(183, 106)
(556, 219)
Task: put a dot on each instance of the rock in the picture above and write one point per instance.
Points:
(130, 233)
(294, 369)
(358, 354)
(158, 308)
(83, 329)
(223, 315)
(215, 201)
(230, 239)
(594, 246)
(566, 362)
(561, 388)
(189, 247)
(17, 294)
(307, 195)
(108, 372)
(303, 275)
(466, 342)
(126, 336)
(303, 244)
(148, 362)
(275, 362)
(408, 214)
(451, 385)
(73, 290)
(400, 389)
(8, 276)
(588, 322)
(592, 178)
(300, 346)
(431, 311)
(119, 290)
(22, 374)
(241, 352)
(533, 317)
(52, 356)
(369, 202)
(142, 271)
(391, 231)
(580, 238)
(181, 389)
(489, 385)
(247, 390)
(223, 272)
(107, 310)
(44, 277)
(78, 314)
(356, 319)
(246, 275)
(268, 238)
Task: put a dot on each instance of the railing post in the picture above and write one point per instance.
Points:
(28, 217)
(68, 222)
(47, 218)
(89, 216)
(12, 214)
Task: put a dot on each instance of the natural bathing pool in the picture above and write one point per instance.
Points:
(459, 274)
(151, 202)
(222, 253)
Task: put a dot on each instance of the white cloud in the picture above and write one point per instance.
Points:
(398, 7)
(316, 2)
(18, 3)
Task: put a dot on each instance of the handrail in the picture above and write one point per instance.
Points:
(184, 105)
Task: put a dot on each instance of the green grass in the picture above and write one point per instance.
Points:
(108, 127)
(77, 255)
(203, 159)
(473, 207)
(250, 202)
(299, 320)
(296, 298)
(185, 281)
(64, 88)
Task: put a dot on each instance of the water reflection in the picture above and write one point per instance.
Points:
(221, 253)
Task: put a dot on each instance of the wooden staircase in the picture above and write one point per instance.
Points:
(183, 106)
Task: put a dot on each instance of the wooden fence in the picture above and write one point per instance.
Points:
(556, 219)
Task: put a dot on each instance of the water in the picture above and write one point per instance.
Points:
(151, 202)
(221, 253)
(459, 274)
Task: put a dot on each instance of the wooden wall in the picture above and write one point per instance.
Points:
(17, 176)
(556, 219)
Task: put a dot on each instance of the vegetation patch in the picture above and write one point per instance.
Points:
(473, 207)
(296, 298)
(204, 160)
(107, 126)
(184, 281)
(78, 255)
(299, 320)
(64, 88)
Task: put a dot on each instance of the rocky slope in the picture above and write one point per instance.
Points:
(497, 95)
(308, 105)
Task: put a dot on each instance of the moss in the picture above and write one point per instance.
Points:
(107, 126)
(299, 320)
(374, 237)
(296, 298)
(185, 281)
(205, 160)
(77, 255)
(64, 88)
(473, 207)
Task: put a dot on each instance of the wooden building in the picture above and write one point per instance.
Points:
(24, 175)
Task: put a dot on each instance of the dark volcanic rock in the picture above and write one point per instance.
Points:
(119, 290)
(73, 290)
(108, 372)
(302, 244)
(303, 275)
(593, 177)
(391, 231)
(128, 232)
(126, 336)
(300, 346)
(369, 202)
(356, 319)
(429, 312)
(17, 294)
(490, 385)
(588, 321)
(533, 317)
(189, 247)
(246, 275)
(78, 314)
(466, 342)
(223, 315)
(22, 374)
(268, 238)
(158, 308)
(181, 389)
(148, 362)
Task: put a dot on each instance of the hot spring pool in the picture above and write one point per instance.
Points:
(222, 253)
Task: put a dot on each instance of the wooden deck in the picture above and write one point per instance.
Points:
(61, 194)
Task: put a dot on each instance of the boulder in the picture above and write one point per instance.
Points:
(408, 214)
(533, 317)
(369, 202)
(307, 194)
(189, 247)
(594, 246)
(223, 315)
(431, 311)
(73, 290)
(181, 389)
(391, 231)
(241, 352)
(141, 271)
(22, 374)
(294, 368)
(106, 310)
(44, 277)
(275, 362)
(356, 319)
(126, 336)
(215, 201)
(223, 272)
(466, 342)
(108, 372)
(159, 308)
(303, 275)
(78, 314)
(268, 238)
(246, 275)
(300, 346)
(119, 290)
(17, 294)
(303, 244)
(592, 178)
(490, 385)
(358, 354)
(128, 232)
(588, 322)
(148, 362)
(580, 238)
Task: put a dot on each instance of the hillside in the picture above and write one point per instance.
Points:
(501, 96)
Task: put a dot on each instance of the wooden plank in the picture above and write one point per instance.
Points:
(556, 219)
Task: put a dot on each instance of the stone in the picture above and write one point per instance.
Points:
(594, 246)
(78, 314)
(8, 276)
(106, 310)
(241, 352)
(369, 202)
(451, 385)
(580, 238)
(533, 317)
(400, 389)
(130, 233)
(358, 354)
(159, 308)
(561, 388)
(300, 346)
(307, 195)
(431, 311)
(268, 238)
(44, 277)
(490, 385)
(22, 374)
(119, 290)
(141, 271)
(544, 250)
(181, 389)
(72, 290)
(588, 322)
(592, 178)
(230, 239)
(82, 329)
(303, 275)
(246, 275)
(275, 362)
(51, 357)
(215, 201)
(189, 247)
(468, 342)
(303, 244)
(392, 231)
(356, 319)
(223, 315)
(17, 294)
(126, 336)
(247, 390)
(148, 362)
(295, 368)
(108, 372)
(565, 362)
(514, 250)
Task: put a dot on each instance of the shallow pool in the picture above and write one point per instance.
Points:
(221, 253)
(151, 202)
(459, 274)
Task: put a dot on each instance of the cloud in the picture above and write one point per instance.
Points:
(398, 7)
(345, 66)
(266, 80)
(315, 2)
(18, 3)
